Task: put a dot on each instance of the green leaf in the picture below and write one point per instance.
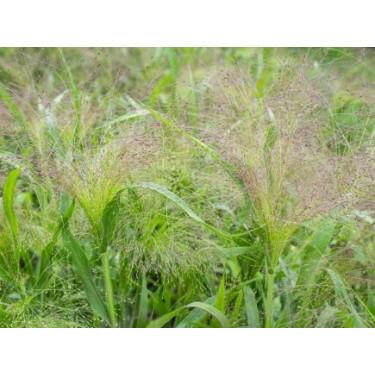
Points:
(66, 211)
(236, 251)
(76, 98)
(314, 251)
(223, 320)
(83, 270)
(220, 299)
(193, 107)
(251, 306)
(109, 221)
(109, 289)
(180, 203)
(127, 116)
(237, 307)
(66, 208)
(143, 305)
(164, 82)
(342, 294)
(8, 196)
(195, 315)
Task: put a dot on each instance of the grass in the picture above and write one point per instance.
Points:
(187, 187)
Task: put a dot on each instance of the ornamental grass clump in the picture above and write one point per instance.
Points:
(290, 179)
(187, 188)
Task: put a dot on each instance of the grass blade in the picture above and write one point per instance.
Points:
(143, 305)
(83, 271)
(76, 98)
(223, 320)
(109, 221)
(315, 250)
(8, 196)
(127, 116)
(220, 299)
(196, 315)
(237, 251)
(108, 285)
(180, 203)
(342, 294)
(66, 211)
(251, 306)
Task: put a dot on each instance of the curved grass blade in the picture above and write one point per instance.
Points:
(314, 251)
(228, 167)
(196, 315)
(83, 270)
(126, 117)
(66, 212)
(180, 203)
(109, 221)
(342, 294)
(223, 320)
(8, 196)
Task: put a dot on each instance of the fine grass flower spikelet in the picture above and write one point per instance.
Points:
(293, 179)
(93, 177)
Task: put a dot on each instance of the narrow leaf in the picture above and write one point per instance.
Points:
(8, 196)
(143, 305)
(109, 221)
(179, 202)
(66, 211)
(82, 268)
(223, 320)
(76, 98)
(109, 289)
(251, 306)
(342, 294)
(127, 116)
(314, 251)
(236, 251)
(220, 299)
(195, 315)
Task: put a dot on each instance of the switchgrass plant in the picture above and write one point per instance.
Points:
(186, 188)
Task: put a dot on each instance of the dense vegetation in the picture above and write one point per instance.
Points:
(187, 187)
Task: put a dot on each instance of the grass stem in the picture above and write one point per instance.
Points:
(109, 290)
(269, 301)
